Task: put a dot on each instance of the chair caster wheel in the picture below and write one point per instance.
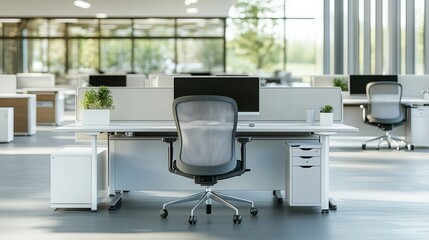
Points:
(192, 220)
(253, 211)
(410, 147)
(363, 146)
(163, 213)
(236, 219)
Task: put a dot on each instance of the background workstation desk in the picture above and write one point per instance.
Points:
(153, 132)
(415, 130)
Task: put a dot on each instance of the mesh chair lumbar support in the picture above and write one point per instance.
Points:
(385, 111)
(206, 127)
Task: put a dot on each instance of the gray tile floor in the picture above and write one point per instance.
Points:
(380, 195)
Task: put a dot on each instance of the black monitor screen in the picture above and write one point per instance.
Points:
(358, 82)
(244, 90)
(108, 80)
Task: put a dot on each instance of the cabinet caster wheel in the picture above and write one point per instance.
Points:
(363, 146)
(253, 211)
(208, 209)
(163, 213)
(236, 219)
(410, 147)
(325, 211)
(192, 220)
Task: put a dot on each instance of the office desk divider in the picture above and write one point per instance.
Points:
(276, 104)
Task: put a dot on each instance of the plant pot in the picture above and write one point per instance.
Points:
(326, 119)
(95, 117)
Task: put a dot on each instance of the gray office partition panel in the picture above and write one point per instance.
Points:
(276, 103)
(290, 103)
(412, 85)
(136, 104)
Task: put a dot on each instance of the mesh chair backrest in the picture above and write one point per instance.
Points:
(207, 126)
(384, 99)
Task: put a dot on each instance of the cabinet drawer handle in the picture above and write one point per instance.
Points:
(305, 166)
(306, 157)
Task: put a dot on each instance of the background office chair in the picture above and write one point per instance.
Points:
(206, 126)
(385, 111)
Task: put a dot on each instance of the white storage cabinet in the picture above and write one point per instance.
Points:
(6, 124)
(417, 127)
(71, 177)
(303, 174)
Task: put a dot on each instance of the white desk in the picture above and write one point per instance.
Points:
(50, 104)
(351, 100)
(264, 130)
(24, 112)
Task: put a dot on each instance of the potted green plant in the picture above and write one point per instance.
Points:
(341, 83)
(326, 115)
(96, 106)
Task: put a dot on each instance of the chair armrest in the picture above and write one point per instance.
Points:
(170, 141)
(244, 140)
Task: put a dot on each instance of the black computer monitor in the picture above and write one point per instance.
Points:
(244, 90)
(108, 80)
(358, 82)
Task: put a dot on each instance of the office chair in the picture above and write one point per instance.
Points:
(206, 128)
(385, 111)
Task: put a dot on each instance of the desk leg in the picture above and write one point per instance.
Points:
(94, 189)
(324, 140)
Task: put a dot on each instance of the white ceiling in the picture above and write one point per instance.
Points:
(113, 8)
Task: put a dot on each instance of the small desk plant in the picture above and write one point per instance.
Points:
(326, 115)
(96, 106)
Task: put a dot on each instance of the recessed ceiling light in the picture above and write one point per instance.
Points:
(66, 20)
(189, 2)
(82, 4)
(10, 20)
(101, 15)
(192, 10)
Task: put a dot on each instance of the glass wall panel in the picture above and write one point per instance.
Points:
(255, 46)
(83, 55)
(115, 55)
(301, 46)
(1, 57)
(36, 27)
(12, 60)
(84, 28)
(57, 28)
(154, 56)
(11, 29)
(257, 8)
(116, 27)
(153, 27)
(419, 27)
(36, 54)
(57, 57)
(302, 9)
(200, 55)
(200, 27)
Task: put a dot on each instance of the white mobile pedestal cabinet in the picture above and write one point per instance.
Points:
(6, 124)
(303, 176)
(71, 177)
(417, 126)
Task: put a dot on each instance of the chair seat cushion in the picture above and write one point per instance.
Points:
(374, 120)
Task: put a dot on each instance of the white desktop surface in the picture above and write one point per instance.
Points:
(168, 126)
(357, 100)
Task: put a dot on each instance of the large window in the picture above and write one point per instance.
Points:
(264, 37)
